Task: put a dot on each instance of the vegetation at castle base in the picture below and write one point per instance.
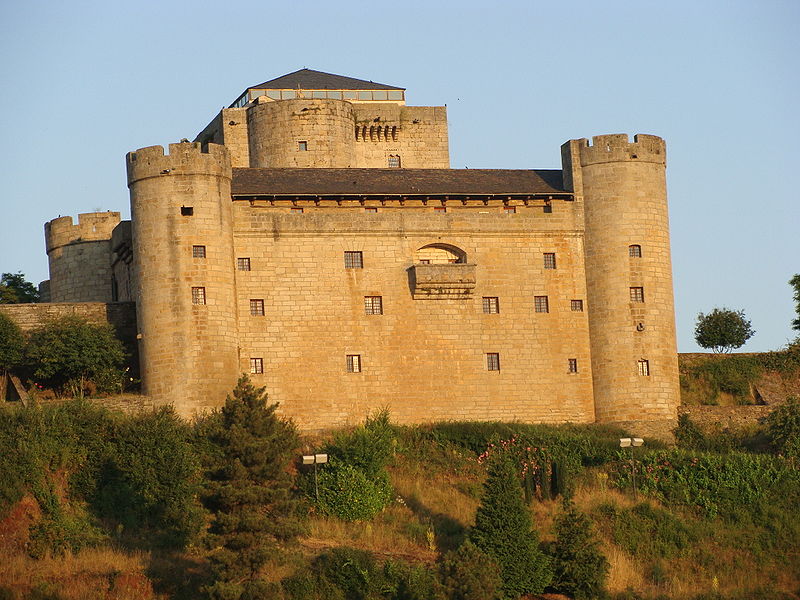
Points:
(704, 379)
(503, 530)
(12, 344)
(722, 330)
(248, 484)
(15, 289)
(65, 353)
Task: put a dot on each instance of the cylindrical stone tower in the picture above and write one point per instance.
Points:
(302, 133)
(184, 272)
(628, 276)
(79, 257)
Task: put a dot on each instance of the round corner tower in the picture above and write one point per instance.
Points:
(628, 277)
(183, 265)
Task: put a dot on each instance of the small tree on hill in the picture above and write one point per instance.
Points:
(67, 352)
(722, 330)
(248, 453)
(468, 573)
(795, 283)
(579, 568)
(14, 289)
(11, 344)
(503, 530)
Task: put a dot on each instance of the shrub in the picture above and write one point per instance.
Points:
(722, 330)
(368, 447)
(468, 573)
(579, 568)
(11, 344)
(783, 428)
(503, 530)
(411, 582)
(67, 352)
(352, 571)
(348, 493)
(647, 531)
(247, 467)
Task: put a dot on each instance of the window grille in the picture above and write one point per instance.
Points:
(637, 294)
(491, 305)
(572, 365)
(257, 366)
(549, 260)
(353, 259)
(198, 251)
(354, 363)
(257, 307)
(243, 264)
(576, 305)
(492, 361)
(373, 305)
(198, 295)
(541, 304)
(394, 161)
(644, 368)
(635, 251)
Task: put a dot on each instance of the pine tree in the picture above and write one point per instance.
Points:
(249, 449)
(503, 530)
(579, 568)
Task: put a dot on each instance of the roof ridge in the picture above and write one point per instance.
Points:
(312, 79)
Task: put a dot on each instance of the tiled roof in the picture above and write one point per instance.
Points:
(308, 79)
(406, 182)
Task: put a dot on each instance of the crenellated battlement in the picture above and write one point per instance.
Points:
(184, 158)
(91, 227)
(618, 148)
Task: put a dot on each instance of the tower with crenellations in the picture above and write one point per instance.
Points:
(314, 237)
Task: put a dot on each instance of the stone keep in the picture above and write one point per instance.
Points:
(314, 236)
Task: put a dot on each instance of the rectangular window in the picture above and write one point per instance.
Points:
(257, 366)
(371, 209)
(541, 304)
(635, 251)
(187, 211)
(439, 209)
(302, 146)
(354, 363)
(297, 209)
(257, 307)
(548, 208)
(198, 251)
(394, 161)
(510, 210)
(243, 264)
(373, 305)
(576, 305)
(637, 294)
(549, 260)
(424, 261)
(572, 365)
(491, 305)
(644, 368)
(198, 295)
(492, 361)
(353, 259)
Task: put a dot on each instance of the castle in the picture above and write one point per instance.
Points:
(314, 236)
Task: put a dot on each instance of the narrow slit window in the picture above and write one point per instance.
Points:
(257, 307)
(644, 368)
(257, 366)
(354, 363)
(572, 365)
(198, 251)
(549, 260)
(373, 305)
(635, 251)
(637, 294)
(243, 264)
(353, 259)
(491, 305)
(541, 304)
(576, 305)
(492, 361)
(198, 295)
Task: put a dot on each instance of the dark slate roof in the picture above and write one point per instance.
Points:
(405, 182)
(308, 79)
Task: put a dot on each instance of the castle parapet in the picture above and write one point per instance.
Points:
(618, 148)
(91, 227)
(184, 158)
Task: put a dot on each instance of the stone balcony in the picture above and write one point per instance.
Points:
(452, 281)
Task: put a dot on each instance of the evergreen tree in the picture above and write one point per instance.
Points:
(469, 574)
(248, 453)
(503, 530)
(579, 568)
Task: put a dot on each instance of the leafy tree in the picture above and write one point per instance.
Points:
(722, 330)
(503, 530)
(11, 343)
(15, 290)
(579, 568)
(783, 428)
(67, 352)
(795, 283)
(468, 573)
(248, 453)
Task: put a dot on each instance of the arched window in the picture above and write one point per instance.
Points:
(439, 254)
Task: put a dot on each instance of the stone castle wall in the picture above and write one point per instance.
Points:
(78, 255)
(423, 358)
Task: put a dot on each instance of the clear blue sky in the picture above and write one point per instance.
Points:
(84, 82)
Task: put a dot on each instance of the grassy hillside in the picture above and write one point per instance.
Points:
(711, 519)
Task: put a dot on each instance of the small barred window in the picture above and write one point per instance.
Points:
(572, 365)
(243, 264)
(198, 295)
(257, 366)
(354, 363)
(394, 161)
(491, 305)
(549, 260)
(353, 259)
(198, 251)
(635, 251)
(492, 361)
(644, 368)
(637, 294)
(540, 304)
(257, 307)
(373, 305)
(576, 305)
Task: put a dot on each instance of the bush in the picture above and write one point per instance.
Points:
(12, 344)
(722, 330)
(783, 428)
(348, 493)
(66, 352)
(503, 530)
(646, 531)
(579, 568)
(470, 574)
(352, 571)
